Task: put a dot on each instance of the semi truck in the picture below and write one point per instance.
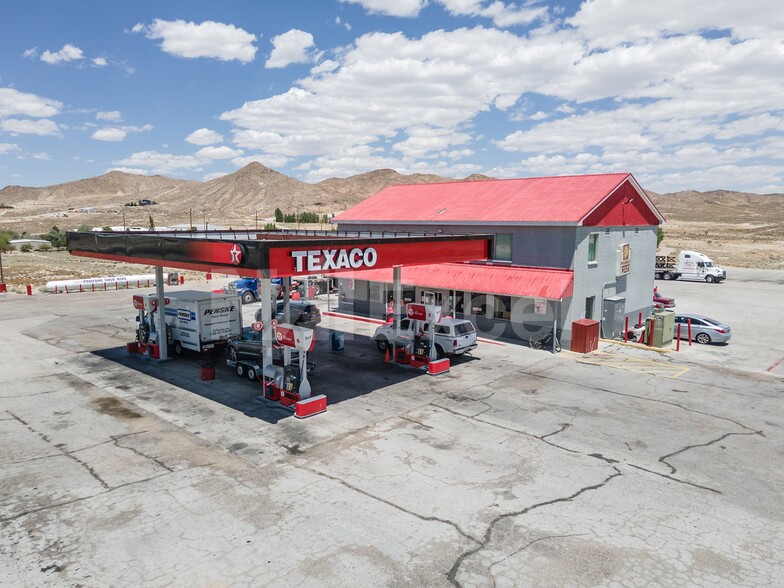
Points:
(688, 265)
(248, 289)
(195, 320)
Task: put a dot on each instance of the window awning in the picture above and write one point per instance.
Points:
(525, 282)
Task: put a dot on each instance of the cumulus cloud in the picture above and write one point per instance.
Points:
(100, 62)
(15, 103)
(109, 115)
(204, 136)
(222, 152)
(162, 163)
(502, 14)
(291, 47)
(67, 53)
(210, 39)
(118, 133)
(41, 127)
(6, 148)
(273, 161)
(405, 8)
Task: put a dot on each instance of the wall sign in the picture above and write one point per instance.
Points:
(624, 260)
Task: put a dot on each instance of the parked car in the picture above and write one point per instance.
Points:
(247, 348)
(703, 329)
(660, 301)
(303, 314)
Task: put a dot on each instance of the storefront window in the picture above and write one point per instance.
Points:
(503, 247)
(501, 307)
(459, 302)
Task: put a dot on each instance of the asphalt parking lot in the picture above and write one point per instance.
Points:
(518, 468)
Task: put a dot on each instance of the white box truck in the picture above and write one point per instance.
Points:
(689, 265)
(195, 320)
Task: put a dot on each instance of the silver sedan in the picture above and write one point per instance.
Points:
(703, 329)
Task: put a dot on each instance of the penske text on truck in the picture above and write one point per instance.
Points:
(195, 320)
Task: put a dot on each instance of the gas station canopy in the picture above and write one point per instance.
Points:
(272, 254)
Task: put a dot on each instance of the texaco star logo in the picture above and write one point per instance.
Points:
(236, 254)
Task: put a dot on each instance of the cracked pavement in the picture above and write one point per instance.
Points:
(518, 468)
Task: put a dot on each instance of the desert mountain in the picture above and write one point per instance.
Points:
(736, 227)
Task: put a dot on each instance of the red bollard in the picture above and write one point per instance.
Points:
(639, 319)
(688, 325)
(209, 277)
(29, 289)
(182, 280)
(626, 331)
(80, 288)
(678, 342)
(93, 286)
(650, 338)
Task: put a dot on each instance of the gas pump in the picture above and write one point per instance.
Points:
(146, 332)
(424, 344)
(295, 379)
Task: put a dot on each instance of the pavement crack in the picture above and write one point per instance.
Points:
(452, 574)
(526, 546)
(155, 460)
(663, 459)
(421, 517)
(89, 468)
(693, 484)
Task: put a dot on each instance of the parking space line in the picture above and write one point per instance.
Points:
(655, 368)
(774, 365)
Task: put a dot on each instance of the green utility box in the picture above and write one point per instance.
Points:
(662, 322)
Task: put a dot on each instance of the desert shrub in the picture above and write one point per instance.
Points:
(45, 248)
(26, 248)
(270, 227)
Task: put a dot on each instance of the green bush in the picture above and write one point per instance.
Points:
(26, 248)
(45, 248)
(270, 227)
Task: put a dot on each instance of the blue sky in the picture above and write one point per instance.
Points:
(683, 95)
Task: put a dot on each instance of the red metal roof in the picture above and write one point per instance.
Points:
(561, 199)
(526, 282)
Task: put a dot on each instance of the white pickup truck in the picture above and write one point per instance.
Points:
(452, 336)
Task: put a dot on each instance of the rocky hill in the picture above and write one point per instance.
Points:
(737, 228)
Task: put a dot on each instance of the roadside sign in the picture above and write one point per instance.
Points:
(258, 326)
(274, 323)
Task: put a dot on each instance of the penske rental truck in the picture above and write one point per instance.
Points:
(195, 320)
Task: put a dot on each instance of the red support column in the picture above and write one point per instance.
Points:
(688, 324)
(29, 289)
(678, 342)
(626, 331)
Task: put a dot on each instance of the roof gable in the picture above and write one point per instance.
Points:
(559, 199)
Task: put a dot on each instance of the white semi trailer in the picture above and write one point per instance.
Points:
(689, 265)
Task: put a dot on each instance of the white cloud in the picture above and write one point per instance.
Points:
(405, 8)
(217, 40)
(6, 148)
(14, 103)
(109, 115)
(118, 133)
(633, 21)
(109, 134)
(67, 53)
(41, 127)
(271, 161)
(204, 137)
(162, 163)
(31, 53)
(100, 62)
(42, 155)
(290, 47)
(502, 14)
(214, 176)
(222, 152)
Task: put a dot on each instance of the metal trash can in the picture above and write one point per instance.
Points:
(338, 341)
(207, 368)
